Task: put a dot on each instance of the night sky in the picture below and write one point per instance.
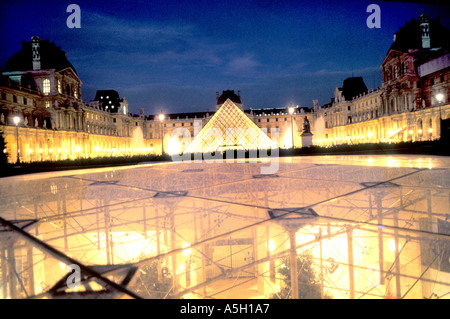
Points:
(174, 55)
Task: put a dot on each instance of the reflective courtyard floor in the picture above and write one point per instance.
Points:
(345, 226)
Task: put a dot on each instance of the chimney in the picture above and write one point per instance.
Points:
(35, 42)
(425, 30)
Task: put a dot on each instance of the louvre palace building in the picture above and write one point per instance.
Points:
(43, 116)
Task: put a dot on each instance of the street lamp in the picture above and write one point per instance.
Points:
(291, 111)
(161, 119)
(16, 120)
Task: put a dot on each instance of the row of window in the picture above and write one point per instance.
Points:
(24, 100)
(268, 120)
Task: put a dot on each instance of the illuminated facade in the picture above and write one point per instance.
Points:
(41, 88)
(411, 102)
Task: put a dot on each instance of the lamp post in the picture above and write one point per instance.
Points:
(16, 120)
(291, 111)
(161, 119)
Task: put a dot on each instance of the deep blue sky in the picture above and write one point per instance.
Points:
(174, 55)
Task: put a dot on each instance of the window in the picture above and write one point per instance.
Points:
(3, 96)
(182, 124)
(14, 99)
(47, 104)
(46, 86)
(267, 120)
(59, 87)
(276, 120)
(432, 81)
(418, 85)
(25, 101)
(75, 93)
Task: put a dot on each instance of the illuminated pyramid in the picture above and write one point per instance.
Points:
(230, 128)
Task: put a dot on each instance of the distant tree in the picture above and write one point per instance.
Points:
(149, 286)
(308, 284)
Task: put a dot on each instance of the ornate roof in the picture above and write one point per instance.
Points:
(52, 57)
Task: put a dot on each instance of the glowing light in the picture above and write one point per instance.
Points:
(410, 132)
(430, 130)
(420, 131)
(40, 151)
(16, 120)
(187, 250)
(97, 149)
(77, 149)
(391, 245)
(50, 151)
(440, 97)
(161, 117)
(291, 110)
(271, 245)
(370, 135)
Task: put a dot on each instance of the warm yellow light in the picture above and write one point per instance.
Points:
(440, 97)
(77, 149)
(391, 245)
(16, 120)
(59, 150)
(370, 135)
(187, 250)
(40, 150)
(271, 245)
(29, 151)
(430, 130)
(420, 131)
(50, 150)
(410, 132)
(291, 110)
(161, 117)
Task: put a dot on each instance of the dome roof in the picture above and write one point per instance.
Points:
(52, 57)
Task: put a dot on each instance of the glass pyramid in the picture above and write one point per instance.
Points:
(230, 128)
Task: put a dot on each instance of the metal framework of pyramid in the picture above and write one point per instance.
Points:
(230, 128)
